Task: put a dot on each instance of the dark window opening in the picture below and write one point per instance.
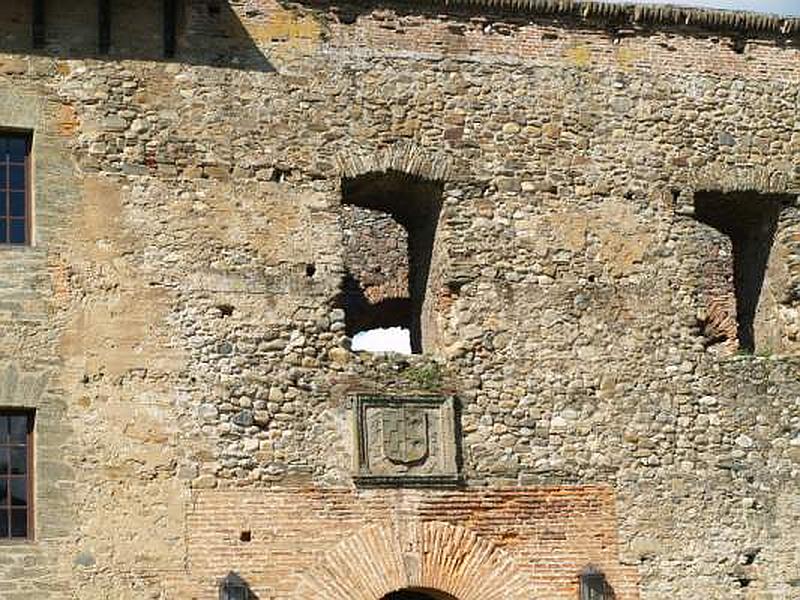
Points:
(15, 189)
(389, 222)
(38, 24)
(16, 479)
(749, 221)
(594, 586)
(170, 27)
(104, 26)
(225, 310)
(418, 594)
(233, 587)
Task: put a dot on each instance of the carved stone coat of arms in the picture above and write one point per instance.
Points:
(405, 441)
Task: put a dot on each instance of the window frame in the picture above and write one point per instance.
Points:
(29, 476)
(5, 212)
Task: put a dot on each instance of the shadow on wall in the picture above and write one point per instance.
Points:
(363, 315)
(196, 32)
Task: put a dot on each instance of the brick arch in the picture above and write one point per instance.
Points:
(381, 559)
(763, 180)
(404, 157)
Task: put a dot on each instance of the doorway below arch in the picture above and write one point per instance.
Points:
(418, 594)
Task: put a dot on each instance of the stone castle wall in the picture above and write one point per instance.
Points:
(192, 376)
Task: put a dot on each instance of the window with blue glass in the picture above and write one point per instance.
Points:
(16, 478)
(15, 187)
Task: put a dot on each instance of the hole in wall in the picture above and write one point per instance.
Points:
(739, 45)
(225, 310)
(245, 536)
(737, 266)
(389, 223)
(280, 175)
(311, 269)
(454, 286)
(750, 556)
(347, 18)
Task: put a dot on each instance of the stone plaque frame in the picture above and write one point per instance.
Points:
(439, 467)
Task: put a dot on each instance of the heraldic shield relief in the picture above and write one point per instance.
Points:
(405, 440)
(405, 434)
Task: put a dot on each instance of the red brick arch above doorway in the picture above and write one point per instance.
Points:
(381, 559)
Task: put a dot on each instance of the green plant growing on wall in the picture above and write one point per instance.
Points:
(428, 376)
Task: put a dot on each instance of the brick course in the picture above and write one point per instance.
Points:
(550, 534)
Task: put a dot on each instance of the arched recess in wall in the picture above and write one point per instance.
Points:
(391, 202)
(443, 561)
